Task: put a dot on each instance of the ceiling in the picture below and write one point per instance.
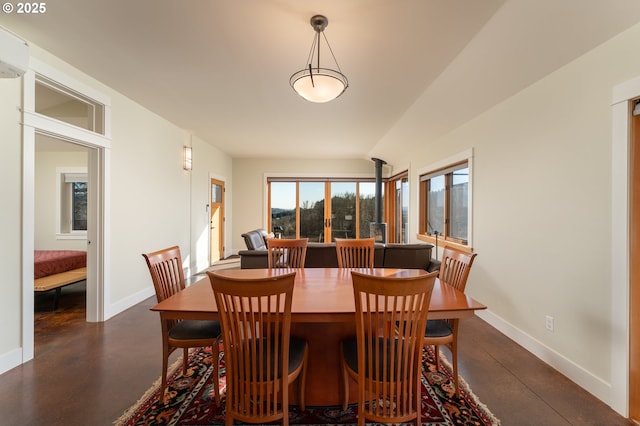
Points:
(221, 69)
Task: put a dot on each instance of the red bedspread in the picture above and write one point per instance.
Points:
(50, 262)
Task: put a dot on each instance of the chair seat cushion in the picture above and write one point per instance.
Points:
(350, 350)
(438, 328)
(195, 329)
(296, 356)
(296, 353)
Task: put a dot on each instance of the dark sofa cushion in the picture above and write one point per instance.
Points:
(324, 255)
(253, 259)
(321, 255)
(408, 256)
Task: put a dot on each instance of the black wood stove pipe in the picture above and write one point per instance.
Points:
(378, 211)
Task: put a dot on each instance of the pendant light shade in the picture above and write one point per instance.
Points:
(315, 83)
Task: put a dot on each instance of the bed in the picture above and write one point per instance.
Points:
(54, 269)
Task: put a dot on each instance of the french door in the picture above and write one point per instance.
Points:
(321, 210)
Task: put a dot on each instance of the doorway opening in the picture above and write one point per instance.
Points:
(60, 227)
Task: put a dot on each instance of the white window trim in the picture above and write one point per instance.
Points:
(72, 235)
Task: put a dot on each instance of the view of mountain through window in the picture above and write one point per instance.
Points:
(322, 211)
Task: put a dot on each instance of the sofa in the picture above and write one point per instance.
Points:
(323, 255)
(256, 239)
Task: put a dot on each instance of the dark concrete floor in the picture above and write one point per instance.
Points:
(89, 374)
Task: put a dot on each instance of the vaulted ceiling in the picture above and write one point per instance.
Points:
(221, 68)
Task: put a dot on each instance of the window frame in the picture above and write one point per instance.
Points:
(393, 209)
(95, 119)
(446, 167)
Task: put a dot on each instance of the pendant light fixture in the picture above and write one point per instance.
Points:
(315, 83)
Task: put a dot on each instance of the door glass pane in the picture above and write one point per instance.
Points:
(283, 209)
(435, 199)
(216, 193)
(459, 204)
(367, 195)
(343, 210)
(312, 211)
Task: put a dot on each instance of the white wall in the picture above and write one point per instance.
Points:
(150, 206)
(249, 195)
(208, 162)
(542, 209)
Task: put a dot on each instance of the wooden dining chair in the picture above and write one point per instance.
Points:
(287, 253)
(355, 253)
(454, 271)
(261, 356)
(165, 267)
(385, 359)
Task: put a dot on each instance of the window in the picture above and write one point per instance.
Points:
(78, 206)
(445, 203)
(367, 207)
(319, 209)
(72, 204)
(283, 214)
(398, 208)
(56, 101)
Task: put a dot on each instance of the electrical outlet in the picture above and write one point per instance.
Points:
(549, 322)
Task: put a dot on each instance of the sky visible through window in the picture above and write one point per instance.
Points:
(283, 194)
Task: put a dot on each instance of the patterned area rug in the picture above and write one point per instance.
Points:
(191, 400)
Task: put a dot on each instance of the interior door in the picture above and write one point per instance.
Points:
(216, 220)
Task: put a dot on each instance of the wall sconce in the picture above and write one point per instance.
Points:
(186, 157)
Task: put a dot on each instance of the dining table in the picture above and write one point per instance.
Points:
(322, 312)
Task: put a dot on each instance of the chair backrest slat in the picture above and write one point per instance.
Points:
(165, 267)
(455, 267)
(287, 253)
(355, 253)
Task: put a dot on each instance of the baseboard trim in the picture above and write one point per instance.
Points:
(124, 304)
(10, 360)
(583, 378)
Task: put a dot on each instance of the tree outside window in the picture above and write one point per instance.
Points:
(321, 210)
(444, 210)
(73, 203)
(79, 206)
